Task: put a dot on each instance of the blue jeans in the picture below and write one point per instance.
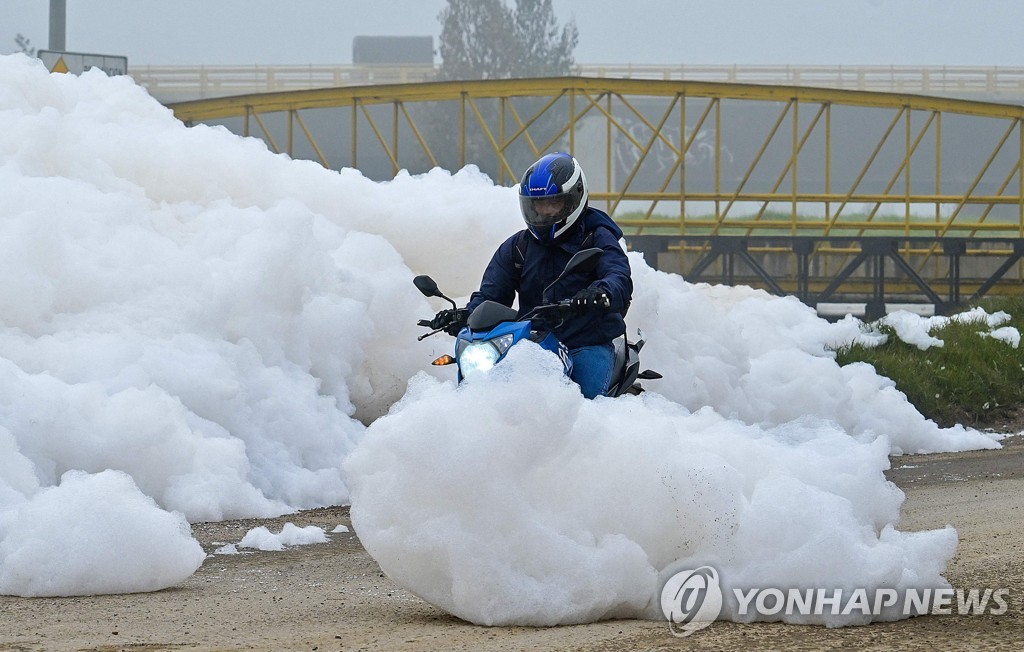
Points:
(592, 368)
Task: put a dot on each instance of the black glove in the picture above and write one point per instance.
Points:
(451, 320)
(589, 299)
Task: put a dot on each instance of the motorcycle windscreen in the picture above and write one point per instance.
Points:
(489, 314)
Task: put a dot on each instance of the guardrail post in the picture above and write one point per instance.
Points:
(803, 248)
(954, 249)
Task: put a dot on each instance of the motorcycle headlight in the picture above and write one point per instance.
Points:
(502, 343)
(482, 355)
(478, 356)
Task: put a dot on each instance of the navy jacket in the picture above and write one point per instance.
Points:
(543, 263)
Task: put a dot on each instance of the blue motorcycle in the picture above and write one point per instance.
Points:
(493, 328)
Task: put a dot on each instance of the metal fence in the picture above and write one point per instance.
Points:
(179, 83)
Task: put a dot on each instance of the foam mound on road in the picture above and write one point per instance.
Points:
(511, 500)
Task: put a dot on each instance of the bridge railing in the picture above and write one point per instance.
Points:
(928, 80)
(179, 83)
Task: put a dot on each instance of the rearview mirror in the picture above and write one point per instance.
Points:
(584, 260)
(427, 286)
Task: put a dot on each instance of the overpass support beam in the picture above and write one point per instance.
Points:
(730, 248)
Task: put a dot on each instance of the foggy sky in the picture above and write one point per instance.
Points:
(799, 32)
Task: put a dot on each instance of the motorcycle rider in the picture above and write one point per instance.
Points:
(553, 198)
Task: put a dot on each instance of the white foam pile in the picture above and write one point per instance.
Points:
(261, 538)
(193, 325)
(917, 330)
(548, 509)
(96, 531)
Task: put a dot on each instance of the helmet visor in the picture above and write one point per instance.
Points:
(547, 210)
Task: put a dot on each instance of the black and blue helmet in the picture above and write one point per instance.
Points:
(552, 196)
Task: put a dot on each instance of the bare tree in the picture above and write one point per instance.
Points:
(475, 36)
(24, 45)
(493, 39)
(541, 48)
(485, 39)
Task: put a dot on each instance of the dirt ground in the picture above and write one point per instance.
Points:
(334, 597)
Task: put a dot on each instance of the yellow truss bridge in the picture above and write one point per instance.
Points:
(812, 190)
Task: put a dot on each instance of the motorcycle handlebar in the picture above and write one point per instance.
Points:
(426, 335)
(565, 307)
(561, 311)
(426, 323)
